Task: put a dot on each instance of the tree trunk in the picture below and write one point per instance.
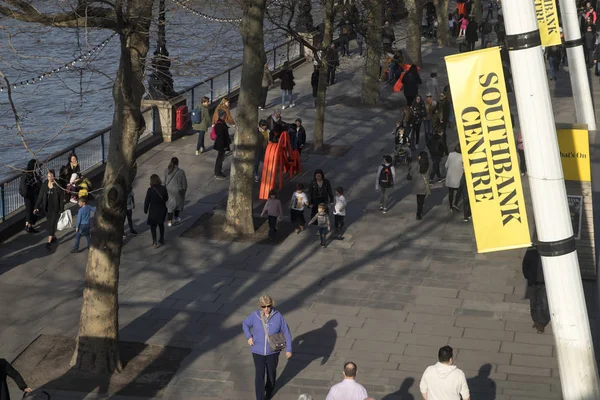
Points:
(97, 348)
(443, 31)
(323, 73)
(413, 43)
(371, 89)
(239, 219)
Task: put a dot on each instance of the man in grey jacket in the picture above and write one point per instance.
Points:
(267, 81)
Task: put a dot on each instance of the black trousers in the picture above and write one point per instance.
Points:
(435, 170)
(129, 215)
(409, 100)
(538, 304)
(161, 228)
(52, 222)
(170, 215)
(415, 134)
(420, 203)
(451, 193)
(219, 163)
(30, 217)
(331, 75)
(263, 96)
(272, 226)
(265, 365)
(338, 221)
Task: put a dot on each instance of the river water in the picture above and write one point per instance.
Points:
(74, 103)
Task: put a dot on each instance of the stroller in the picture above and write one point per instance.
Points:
(402, 154)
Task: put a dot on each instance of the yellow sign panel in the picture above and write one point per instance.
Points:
(488, 150)
(547, 18)
(574, 149)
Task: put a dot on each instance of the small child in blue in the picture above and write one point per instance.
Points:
(84, 220)
(323, 223)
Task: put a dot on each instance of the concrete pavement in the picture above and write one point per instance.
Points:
(387, 297)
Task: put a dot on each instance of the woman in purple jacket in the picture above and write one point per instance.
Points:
(264, 358)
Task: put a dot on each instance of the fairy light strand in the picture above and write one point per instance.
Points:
(80, 58)
(206, 16)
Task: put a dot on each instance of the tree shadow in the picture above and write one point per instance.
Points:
(482, 387)
(309, 347)
(404, 392)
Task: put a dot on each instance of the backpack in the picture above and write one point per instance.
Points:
(386, 179)
(213, 133)
(196, 116)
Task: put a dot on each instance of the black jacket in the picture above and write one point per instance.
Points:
(42, 199)
(7, 370)
(326, 192)
(301, 136)
(155, 204)
(437, 146)
(589, 40)
(471, 32)
(287, 79)
(532, 267)
(417, 112)
(333, 58)
(411, 82)
(29, 187)
(222, 141)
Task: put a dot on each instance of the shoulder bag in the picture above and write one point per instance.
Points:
(277, 341)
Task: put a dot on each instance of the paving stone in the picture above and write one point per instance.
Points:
(474, 333)
(475, 344)
(383, 305)
(321, 319)
(371, 345)
(513, 369)
(388, 325)
(358, 355)
(421, 350)
(420, 339)
(522, 348)
(491, 288)
(338, 310)
(534, 361)
(438, 301)
(394, 315)
(534, 338)
(482, 323)
(467, 312)
(372, 334)
(481, 296)
(430, 319)
(435, 292)
(423, 361)
(478, 358)
(438, 330)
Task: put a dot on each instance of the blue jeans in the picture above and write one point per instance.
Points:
(200, 143)
(553, 64)
(285, 96)
(84, 230)
(323, 234)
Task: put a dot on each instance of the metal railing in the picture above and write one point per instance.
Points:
(93, 150)
(229, 81)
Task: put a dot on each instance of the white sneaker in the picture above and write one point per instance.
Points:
(292, 105)
(283, 107)
(197, 153)
(169, 224)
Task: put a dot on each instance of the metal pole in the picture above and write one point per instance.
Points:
(582, 96)
(3, 202)
(556, 244)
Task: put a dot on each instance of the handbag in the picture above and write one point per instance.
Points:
(65, 220)
(427, 186)
(276, 341)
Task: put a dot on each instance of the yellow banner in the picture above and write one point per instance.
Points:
(488, 149)
(574, 146)
(547, 18)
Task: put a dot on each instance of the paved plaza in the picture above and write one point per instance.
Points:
(387, 297)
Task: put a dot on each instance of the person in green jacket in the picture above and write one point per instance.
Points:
(204, 124)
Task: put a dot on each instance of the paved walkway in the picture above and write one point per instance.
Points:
(386, 298)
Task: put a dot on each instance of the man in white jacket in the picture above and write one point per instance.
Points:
(444, 381)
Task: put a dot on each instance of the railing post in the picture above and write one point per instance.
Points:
(192, 99)
(229, 82)
(153, 120)
(287, 50)
(3, 202)
(102, 143)
(274, 59)
(211, 91)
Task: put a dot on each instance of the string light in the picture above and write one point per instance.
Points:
(81, 57)
(199, 14)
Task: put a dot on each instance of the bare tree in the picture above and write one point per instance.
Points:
(413, 43)
(371, 27)
(239, 202)
(97, 341)
(282, 17)
(441, 11)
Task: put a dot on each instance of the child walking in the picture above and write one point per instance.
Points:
(84, 219)
(339, 211)
(323, 223)
(274, 210)
(299, 201)
(129, 213)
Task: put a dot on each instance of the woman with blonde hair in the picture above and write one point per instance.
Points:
(267, 334)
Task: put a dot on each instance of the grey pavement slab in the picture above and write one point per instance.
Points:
(387, 299)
